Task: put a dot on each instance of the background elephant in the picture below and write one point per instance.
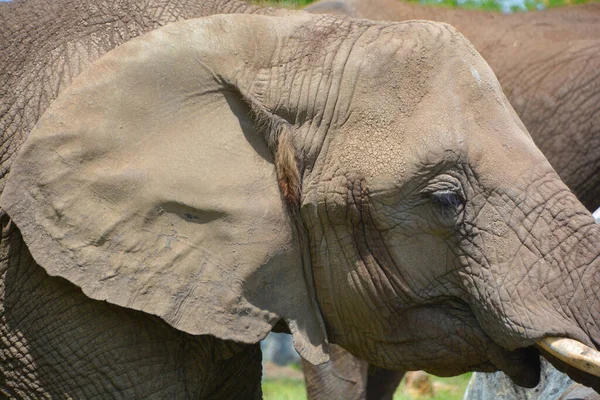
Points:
(365, 183)
(548, 67)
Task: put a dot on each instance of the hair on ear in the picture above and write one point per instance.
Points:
(287, 166)
(279, 136)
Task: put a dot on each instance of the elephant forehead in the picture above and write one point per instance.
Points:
(431, 120)
(412, 81)
(437, 106)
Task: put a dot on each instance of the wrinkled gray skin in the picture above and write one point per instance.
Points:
(426, 206)
(547, 63)
(529, 52)
(56, 342)
(553, 385)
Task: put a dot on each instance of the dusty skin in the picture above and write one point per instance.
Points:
(548, 65)
(155, 229)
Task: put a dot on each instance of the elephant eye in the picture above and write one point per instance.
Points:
(448, 206)
(447, 198)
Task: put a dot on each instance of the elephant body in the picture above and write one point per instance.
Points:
(169, 202)
(56, 342)
(349, 377)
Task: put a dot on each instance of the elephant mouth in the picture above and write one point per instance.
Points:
(523, 366)
(570, 356)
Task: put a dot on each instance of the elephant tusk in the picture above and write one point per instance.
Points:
(574, 353)
(596, 215)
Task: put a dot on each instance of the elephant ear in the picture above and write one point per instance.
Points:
(147, 185)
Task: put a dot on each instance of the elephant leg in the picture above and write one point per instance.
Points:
(58, 343)
(348, 377)
(344, 376)
(382, 383)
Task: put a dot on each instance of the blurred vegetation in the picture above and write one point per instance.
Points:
(445, 389)
(506, 6)
(293, 389)
(489, 5)
(284, 389)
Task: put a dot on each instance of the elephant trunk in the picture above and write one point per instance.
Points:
(579, 296)
(538, 282)
(585, 300)
(581, 361)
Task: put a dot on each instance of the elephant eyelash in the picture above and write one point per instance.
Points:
(447, 198)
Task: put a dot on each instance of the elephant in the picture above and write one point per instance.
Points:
(168, 203)
(547, 63)
(567, 135)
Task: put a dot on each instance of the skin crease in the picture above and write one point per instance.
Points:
(529, 52)
(411, 228)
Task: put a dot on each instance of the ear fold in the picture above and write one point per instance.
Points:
(147, 185)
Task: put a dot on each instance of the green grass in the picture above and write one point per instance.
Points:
(284, 389)
(293, 389)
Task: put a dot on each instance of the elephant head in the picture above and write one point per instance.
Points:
(368, 183)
